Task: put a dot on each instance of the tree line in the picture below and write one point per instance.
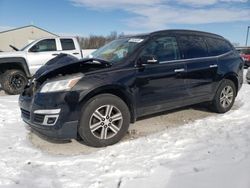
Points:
(96, 41)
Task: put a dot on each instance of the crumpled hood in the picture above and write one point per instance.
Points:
(65, 64)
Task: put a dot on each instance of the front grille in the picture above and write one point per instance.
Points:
(25, 114)
(39, 118)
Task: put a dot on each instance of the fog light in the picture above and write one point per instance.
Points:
(51, 120)
(50, 116)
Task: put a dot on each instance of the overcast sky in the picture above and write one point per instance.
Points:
(228, 18)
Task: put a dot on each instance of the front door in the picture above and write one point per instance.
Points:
(161, 86)
(41, 53)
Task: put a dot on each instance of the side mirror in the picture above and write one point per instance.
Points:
(147, 60)
(34, 48)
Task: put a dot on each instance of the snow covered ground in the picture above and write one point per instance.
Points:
(212, 151)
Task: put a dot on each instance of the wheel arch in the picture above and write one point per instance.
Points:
(234, 78)
(118, 91)
(14, 63)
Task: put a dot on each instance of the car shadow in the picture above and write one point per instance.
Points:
(143, 127)
(199, 107)
(51, 140)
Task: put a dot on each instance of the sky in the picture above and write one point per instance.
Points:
(229, 18)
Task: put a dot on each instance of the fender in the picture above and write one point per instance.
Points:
(117, 90)
(16, 61)
(231, 76)
(235, 78)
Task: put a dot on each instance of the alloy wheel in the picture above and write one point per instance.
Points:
(226, 96)
(105, 122)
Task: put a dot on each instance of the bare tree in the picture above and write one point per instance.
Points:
(95, 41)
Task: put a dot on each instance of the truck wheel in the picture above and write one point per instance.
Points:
(13, 81)
(105, 120)
(224, 97)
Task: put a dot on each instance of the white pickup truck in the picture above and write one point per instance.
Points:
(18, 66)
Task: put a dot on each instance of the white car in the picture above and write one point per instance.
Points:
(18, 66)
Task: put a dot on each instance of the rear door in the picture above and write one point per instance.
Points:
(201, 68)
(68, 46)
(161, 86)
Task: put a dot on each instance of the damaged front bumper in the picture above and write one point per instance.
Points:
(50, 114)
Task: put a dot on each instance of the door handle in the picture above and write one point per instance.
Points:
(179, 70)
(152, 60)
(213, 66)
(75, 53)
(55, 54)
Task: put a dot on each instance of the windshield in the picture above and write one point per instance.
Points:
(28, 45)
(117, 50)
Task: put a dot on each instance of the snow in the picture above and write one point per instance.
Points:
(210, 152)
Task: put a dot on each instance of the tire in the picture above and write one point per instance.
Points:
(1, 81)
(13, 81)
(98, 130)
(224, 97)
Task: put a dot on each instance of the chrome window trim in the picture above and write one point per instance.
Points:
(199, 58)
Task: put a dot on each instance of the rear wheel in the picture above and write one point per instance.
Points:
(13, 81)
(0, 81)
(224, 98)
(105, 120)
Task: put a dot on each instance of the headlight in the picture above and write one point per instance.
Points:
(60, 85)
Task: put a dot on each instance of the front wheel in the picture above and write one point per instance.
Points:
(224, 97)
(13, 81)
(105, 120)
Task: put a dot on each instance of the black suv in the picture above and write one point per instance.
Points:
(96, 99)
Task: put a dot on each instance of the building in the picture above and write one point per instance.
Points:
(20, 37)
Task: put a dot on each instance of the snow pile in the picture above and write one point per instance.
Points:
(213, 152)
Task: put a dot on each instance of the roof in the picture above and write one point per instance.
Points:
(26, 27)
(183, 31)
(177, 31)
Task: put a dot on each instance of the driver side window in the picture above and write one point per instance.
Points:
(163, 48)
(44, 46)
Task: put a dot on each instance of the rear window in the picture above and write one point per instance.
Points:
(217, 46)
(67, 44)
(193, 46)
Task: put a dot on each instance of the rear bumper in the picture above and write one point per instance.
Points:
(50, 115)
